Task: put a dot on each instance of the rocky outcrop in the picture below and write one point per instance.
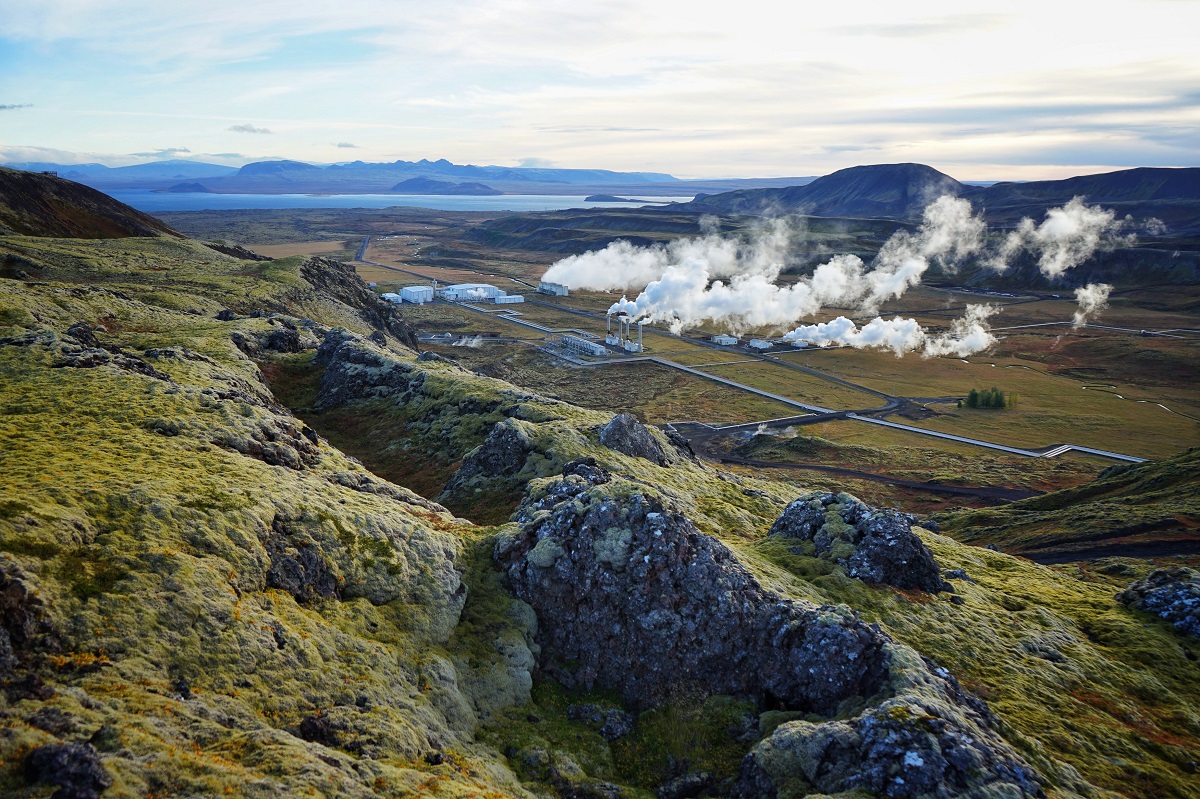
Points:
(297, 565)
(74, 768)
(1170, 594)
(340, 281)
(356, 370)
(80, 349)
(499, 459)
(916, 745)
(626, 434)
(877, 546)
(631, 597)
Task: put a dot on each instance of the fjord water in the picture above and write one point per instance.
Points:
(152, 201)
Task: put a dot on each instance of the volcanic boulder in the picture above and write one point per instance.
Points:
(626, 434)
(874, 545)
(630, 596)
(1171, 594)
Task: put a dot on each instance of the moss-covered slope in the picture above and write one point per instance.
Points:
(198, 585)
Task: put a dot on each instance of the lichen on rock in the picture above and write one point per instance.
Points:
(678, 607)
(877, 546)
(1170, 594)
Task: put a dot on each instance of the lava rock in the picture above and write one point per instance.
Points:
(297, 567)
(626, 434)
(502, 455)
(873, 545)
(631, 597)
(317, 729)
(906, 747)
(611, 722)
(74, 768)
(1170, 594)
(286, 340)
(687, 786)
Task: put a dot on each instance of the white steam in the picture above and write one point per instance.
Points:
(624, 265)
(473, 343)
(1092, 299)
(727, 281)
(689, 291)
(967, 335)
(1066, 238)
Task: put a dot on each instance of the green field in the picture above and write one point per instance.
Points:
(796, 385)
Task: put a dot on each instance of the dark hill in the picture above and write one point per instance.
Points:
(43, 205)
(1145, 184)
(887, 190)
(431, 186)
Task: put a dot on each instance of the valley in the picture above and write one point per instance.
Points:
(264, 533)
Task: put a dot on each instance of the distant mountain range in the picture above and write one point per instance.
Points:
(360, 177)
(901, 191)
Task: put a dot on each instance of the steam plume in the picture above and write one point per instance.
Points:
(1092, 299)
(967, 335)
(689, 290)
(624, 265)
(1069, 236)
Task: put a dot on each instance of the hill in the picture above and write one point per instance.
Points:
(431, 186)
(880, 190)
(32, 204)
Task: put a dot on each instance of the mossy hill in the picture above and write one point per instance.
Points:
(33, 204)
(201, 595)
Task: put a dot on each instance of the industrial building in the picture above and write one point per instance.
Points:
(759, 344)
(724, 339)
(469, 292)
(509, 299)
(416, 294)
(554, 289)
(582, 345)
(396, 298)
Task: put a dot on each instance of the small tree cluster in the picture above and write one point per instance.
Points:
(988, 398)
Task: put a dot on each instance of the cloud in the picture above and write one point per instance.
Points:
(15, 106)
(951, 25)
(345, 145)
(167, 152)
(535, 163)
(247, 128)
(1092, 299)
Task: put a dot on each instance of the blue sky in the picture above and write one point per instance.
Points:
(983, 91)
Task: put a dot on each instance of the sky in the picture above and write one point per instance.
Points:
(1023, 89)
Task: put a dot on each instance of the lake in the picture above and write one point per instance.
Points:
(152, 201)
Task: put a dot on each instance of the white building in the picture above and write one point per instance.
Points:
(582, 345)
(396, 298)
(724, 339)
(509, 299)
(470, 292)
(555, 289)
(760, 344)
(416, 294)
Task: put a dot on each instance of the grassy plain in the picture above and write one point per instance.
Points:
(655, 394)
(797, 385)
(336, 249)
